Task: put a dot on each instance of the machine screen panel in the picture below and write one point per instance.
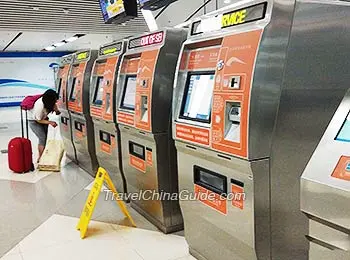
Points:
(59, 88)
(129, 96)
(210, 180)
(198, 97)
(72, 94)
(344, 133)
(105, 137)
(98, 91)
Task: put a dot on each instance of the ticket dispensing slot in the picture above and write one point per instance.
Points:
(144, 109)
(137, 150)
(64, 120)
(210, 180)
(79, 126)
(233, 122)
(59, 88)
(105, 137)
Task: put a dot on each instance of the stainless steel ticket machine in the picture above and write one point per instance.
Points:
(144, 117)
(79, 107)
(65, 117)
(325, 190)
(257, 84)
(103, 111)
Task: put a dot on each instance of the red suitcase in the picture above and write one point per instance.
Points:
(20, 155)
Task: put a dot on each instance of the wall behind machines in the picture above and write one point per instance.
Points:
(26, 73)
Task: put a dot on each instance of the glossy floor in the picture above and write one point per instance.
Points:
(39, 212)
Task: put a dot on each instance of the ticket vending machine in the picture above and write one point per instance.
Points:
(79, 107)
(65, 118)
(325, 190)
(144, 118)
(103, 111)
(256, 85)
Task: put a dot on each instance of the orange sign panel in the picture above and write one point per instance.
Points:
(238, 200)
(78, 73)
(63, 76)
(193, 134)
(137, 163)
(342, 170)
(106, 148)
(237, 58)
(125, 118)
(149, 157)
(130, 66)
(203, 59)
(144, 90)
(211, 199)
(109, 78)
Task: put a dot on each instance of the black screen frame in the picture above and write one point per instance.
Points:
(184, 98)
(122, 106)
(196, 178)
(74, 82)
(97, 88)
(132, 152)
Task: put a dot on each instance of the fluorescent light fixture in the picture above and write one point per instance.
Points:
(227, 1)
(50, 48)
(59, 44)
(150, 20)
(72, 39)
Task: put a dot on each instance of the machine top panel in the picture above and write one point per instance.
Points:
(115, 48)
(229, 18)
(67, 59)
(82, 56)
(146, 40)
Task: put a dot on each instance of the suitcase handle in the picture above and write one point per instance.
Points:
(22, 126)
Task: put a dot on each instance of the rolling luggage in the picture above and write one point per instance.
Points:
(20, 154)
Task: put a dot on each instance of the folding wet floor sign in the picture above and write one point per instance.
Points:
(101, 178)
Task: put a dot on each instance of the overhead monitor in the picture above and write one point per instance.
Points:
(197, 101)
(129, 96)
(72, 93)
(344, 133)
(154, 4)
(118, 11)
(98, 91)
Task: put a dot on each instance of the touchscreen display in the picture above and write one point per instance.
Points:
(198, 97)
(344, 133)
(72, 94)
(129, 96)
(98, 91)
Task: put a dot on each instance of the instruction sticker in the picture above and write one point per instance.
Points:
(137, 163)
(193, 134)
(211, 199)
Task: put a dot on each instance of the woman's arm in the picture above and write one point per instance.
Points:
(47, 122)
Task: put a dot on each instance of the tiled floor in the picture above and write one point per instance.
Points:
(39, 213)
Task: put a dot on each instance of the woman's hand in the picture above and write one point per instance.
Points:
(53, 124)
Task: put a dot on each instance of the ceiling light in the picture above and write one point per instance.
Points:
(50, 48)
(227, 1)
(59, 44)
(150, 20)
(72, 39)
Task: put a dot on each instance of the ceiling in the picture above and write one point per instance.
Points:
(33, 25)
(76, 16)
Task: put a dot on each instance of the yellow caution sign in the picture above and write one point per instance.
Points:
(101, 178)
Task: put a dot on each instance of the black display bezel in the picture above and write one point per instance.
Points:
(132, 152)
(98, 78)
(184, 98)
(74, 82)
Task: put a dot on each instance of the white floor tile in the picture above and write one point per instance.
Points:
(13, 251)
(30, 177)
(89, 187)
(12, 257)
(58, 239)
(189, 257)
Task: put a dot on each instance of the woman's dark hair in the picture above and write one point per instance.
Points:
(50, 98)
